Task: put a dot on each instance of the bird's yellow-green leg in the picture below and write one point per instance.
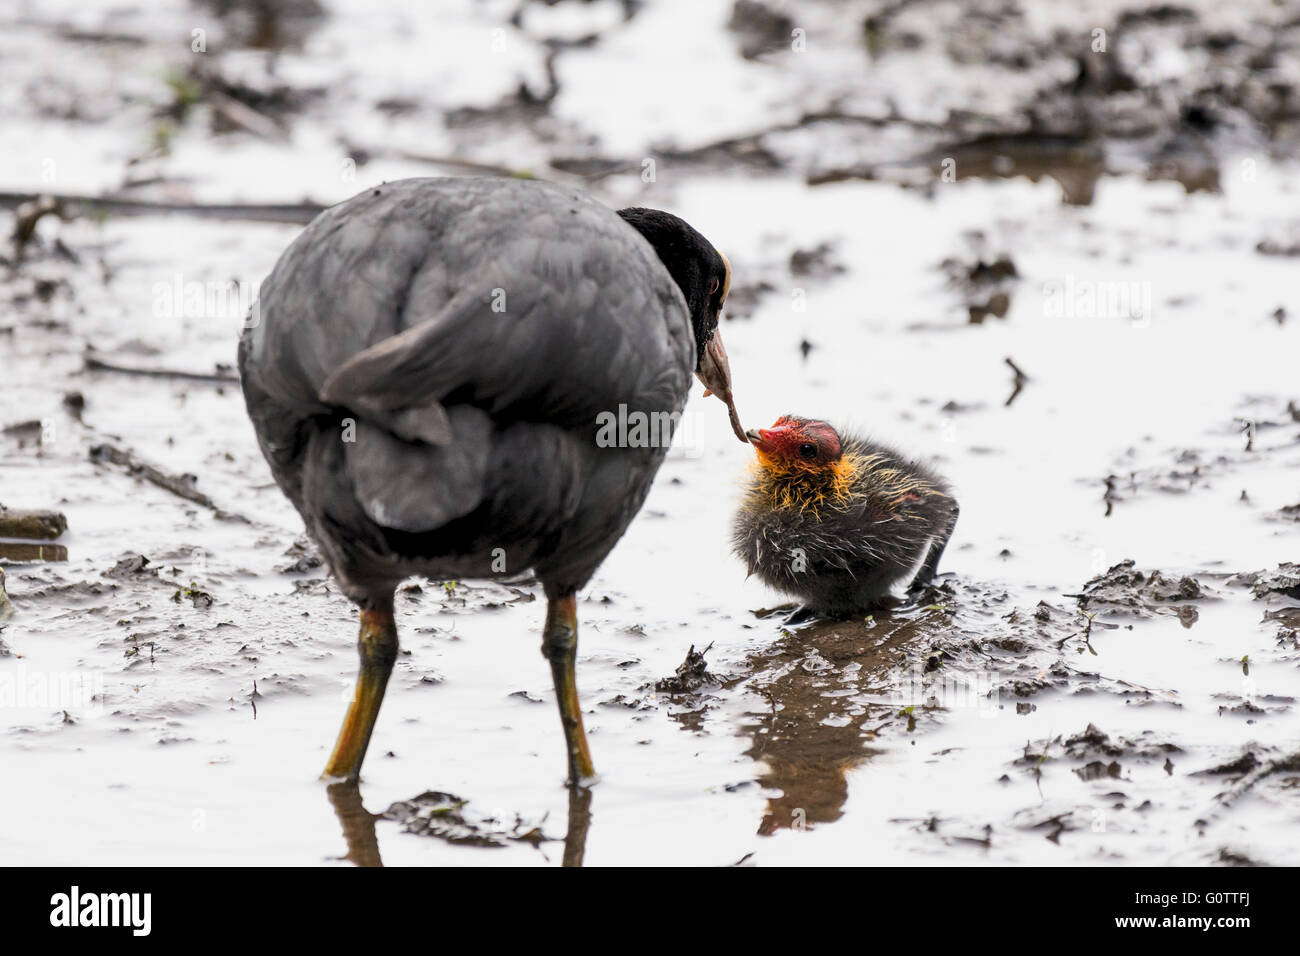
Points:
(377, 644)
(560, 647)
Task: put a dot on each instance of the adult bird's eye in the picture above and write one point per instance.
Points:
(713, 286)
(808, 450)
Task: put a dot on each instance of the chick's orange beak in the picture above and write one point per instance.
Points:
(763, 439)
(715, 373)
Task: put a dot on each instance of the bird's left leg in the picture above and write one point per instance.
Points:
(925, 577)
(377, 646)
(560, 647)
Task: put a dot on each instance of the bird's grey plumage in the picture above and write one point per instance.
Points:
(468, 333)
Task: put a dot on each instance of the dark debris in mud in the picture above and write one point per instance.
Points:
(450, 818)
(691, 676)
(1249, 770)
(131, 566)
(1093, 743)
(305, 560)
(1284, 580)
(1233, 768)
(743, 299)
(1288, 617)
(1098, 758)
(818, 262)
(985, 286)
(1124, 589)
(197, 597)
(1247, 442)
(263, 25)
(1230, 857)
(759, 28)
(1097, 754)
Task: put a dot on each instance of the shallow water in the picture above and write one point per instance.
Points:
(197, 732)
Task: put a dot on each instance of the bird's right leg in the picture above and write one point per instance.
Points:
(377, 645)
(925, 577)
(560, 647)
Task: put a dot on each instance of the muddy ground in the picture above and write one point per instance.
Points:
(1059, 263)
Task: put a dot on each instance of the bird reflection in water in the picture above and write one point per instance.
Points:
(362, 839)
(823, 684)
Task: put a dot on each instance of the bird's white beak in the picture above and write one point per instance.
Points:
(715, 373)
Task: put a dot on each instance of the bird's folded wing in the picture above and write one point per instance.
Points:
(574, 339)
(397, 383)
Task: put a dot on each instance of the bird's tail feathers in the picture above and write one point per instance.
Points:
(418, 486)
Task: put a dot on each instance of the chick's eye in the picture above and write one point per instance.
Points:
(808, 450)
(713, 286)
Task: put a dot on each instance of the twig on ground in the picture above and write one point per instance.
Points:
(180, 485)
(219, 378)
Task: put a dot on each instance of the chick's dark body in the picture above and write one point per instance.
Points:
(427, 370)
(839, 541)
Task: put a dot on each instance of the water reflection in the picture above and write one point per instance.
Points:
(362, 839)
(358, 824)
(823, 684)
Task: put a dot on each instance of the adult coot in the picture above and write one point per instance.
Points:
(837, 520)
(431, 371)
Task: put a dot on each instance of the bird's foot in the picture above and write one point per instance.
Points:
(916, 593)
(803, 614)
(923, 593)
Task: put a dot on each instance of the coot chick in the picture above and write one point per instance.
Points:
(836, 520)
(430, 372)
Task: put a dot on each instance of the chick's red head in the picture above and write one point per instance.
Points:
(794, 442)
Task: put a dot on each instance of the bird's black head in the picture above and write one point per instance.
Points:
(699, 270)
(704, 276)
